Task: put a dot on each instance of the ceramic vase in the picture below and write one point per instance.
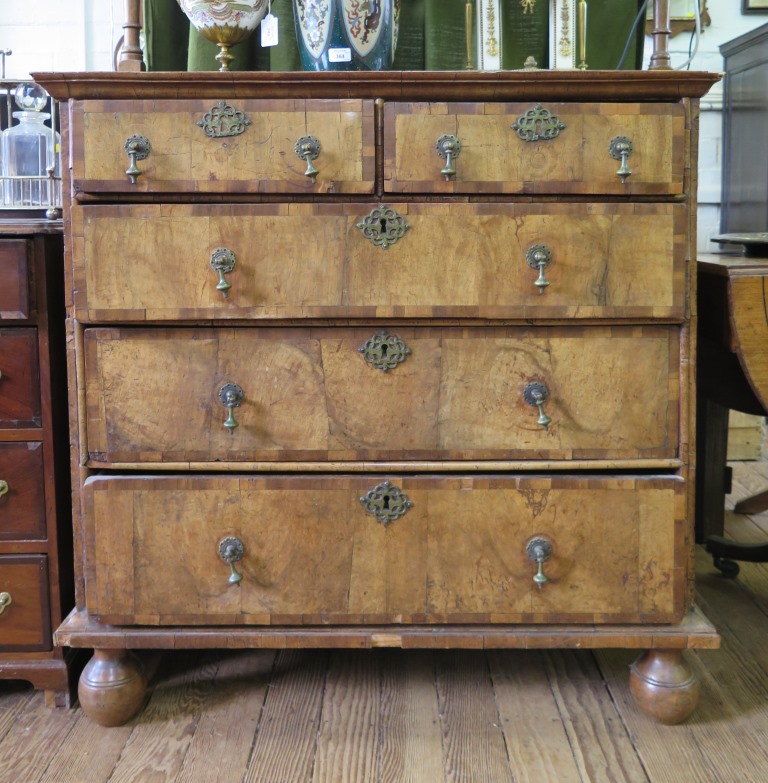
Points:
(226, 22)
(346, 35)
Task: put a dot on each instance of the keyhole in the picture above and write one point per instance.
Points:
(384, 350)
(383, 224)
(385, 500)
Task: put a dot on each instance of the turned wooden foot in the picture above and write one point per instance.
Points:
(112, 687)
(663, 686)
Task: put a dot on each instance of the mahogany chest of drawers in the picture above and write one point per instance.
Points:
(36, 582)
(401, 360)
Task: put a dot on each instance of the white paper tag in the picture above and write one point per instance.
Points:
(339, 55)
(269, 30)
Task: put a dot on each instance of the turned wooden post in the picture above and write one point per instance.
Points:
(130, 53)
(660, 59)
(663, 686)
(112, 687)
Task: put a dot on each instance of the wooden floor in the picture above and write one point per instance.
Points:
(386, 715)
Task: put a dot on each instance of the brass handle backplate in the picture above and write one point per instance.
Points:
(539, 550)
(3, 487)
(5, 601)
(308, 149)
(223, 261)
(536, 393)
(231, 396)
(538, 124)
(620, 148)
(448, 147)
(137, 148)
(539, 257)
(231, 550)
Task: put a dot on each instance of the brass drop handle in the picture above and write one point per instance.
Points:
(308, 148)
(3, 487)
(620, 148)
(231, 396)
(5, 601)
(138, 148)
(448, 147)
(536, 393)
(539, 550)
(223, 261)
(539, 257)
(231, 550)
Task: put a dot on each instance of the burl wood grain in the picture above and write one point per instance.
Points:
(313, 554)
(262, 159)
(311, 260)
(152, 396)
(493, 159)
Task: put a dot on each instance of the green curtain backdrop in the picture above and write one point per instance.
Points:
(432, 37)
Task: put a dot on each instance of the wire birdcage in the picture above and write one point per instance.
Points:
(31, 194)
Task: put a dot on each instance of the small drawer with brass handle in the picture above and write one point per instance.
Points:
(22, 491)
(24, 607)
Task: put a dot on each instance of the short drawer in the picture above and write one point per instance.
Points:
(492, 260)
(568, 148)
(22, 491)
(230, 146)
(14, 278)
(19, 379)
(24, 605)
(295, 394)
(384, 549)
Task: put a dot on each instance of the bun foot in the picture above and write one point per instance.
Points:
(663, 686)
(112, 687)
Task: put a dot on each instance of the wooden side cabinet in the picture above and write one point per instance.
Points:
(36, 583)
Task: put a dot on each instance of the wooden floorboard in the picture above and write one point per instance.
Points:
(425, 716)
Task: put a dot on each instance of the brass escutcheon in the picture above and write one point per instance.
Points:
(223, 120)
(308, 148)
(231, 396)
(538, 124)
(137, 148)
(5, 601)
(383, 226)
(223, 261)
(536, 393)
(386, 502)
(384, 351)
(539, 549)
(620, 148)
(231, 550)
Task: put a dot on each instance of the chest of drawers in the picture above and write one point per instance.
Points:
(35, 522)
(404, 360)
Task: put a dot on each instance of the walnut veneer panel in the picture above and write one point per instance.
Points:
(25, 622)
(493, 159)
(22, 507)
(19, 379)
(14, 274)
(262, 159)
(313, 555)
(311, 260)
(152, 395)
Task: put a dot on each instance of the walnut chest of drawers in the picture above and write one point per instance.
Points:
(403, 360)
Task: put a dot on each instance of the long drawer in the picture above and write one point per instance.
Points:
(229, 146)
(292, 394)
(491, 260)
(384, 549)
(573, 148)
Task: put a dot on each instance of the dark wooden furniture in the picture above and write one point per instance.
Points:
(36, 581)
(389, 398)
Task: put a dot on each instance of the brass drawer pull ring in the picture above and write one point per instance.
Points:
(5, 601)
(3, 487)
(231, 550)
(223, 261)
(539, 257)
(308, 148)
(536, 393)
(448, 147)
(231, 396)
(137, 148)
(539, 550)
(620, 148)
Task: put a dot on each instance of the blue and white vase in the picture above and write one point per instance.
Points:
(346, 35)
